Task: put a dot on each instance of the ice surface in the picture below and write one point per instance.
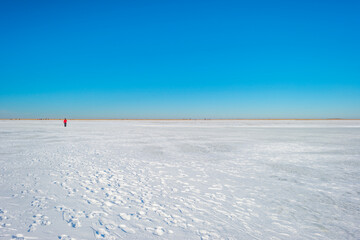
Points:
(180, 180)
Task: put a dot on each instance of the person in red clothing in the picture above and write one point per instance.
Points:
(65, 122)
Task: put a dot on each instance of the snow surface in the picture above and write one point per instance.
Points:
(180, 180)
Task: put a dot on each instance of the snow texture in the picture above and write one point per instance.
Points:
(180, 180)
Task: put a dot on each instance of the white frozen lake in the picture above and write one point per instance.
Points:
(180, 180)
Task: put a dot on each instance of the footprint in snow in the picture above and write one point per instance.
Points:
(126, 229)
(18, 237)
(125, 216)
(38, 219)
(65, 237)
(156, 231)
(102, 233)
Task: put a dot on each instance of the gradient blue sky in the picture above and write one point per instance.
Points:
(180, 59)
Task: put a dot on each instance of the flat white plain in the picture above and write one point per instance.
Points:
(180, 179)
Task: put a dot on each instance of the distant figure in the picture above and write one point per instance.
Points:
(65, 121)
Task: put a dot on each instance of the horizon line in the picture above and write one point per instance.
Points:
(172, 119)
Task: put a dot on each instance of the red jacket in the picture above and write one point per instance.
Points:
(65, 120)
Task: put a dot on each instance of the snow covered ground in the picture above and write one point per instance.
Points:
(180, 180)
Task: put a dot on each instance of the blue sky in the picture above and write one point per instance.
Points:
(180, 59)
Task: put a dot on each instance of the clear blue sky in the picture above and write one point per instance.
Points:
(180, 59)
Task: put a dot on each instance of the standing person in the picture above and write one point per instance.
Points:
(65, 122)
